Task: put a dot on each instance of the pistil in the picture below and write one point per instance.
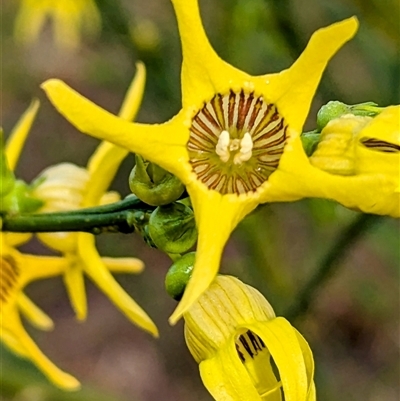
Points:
(226, 145)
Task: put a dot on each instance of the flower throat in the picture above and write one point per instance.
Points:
(236, 142)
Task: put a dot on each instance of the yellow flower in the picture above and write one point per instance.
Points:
(234, 144)
(362, 157)
(68, 187)
(16, 271)
(69, 18)
(233, 334)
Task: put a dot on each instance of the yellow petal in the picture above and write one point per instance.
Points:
(38, 267)
(123, 265)
(312, 396)
(12, 343)
(216, 217)
(309, 363)
(163, 144)
(281, 340)
(66, 28)
(16, 239)
(34, 314)
(203, 72)
(384, 128)
(30, 350)
(28, 23)
(134, 95)
(292, 90)
(107, 158)
(213, 320)
(226, 378)
(75, 285)
(102, 171)
(97, 271)
(18, 135)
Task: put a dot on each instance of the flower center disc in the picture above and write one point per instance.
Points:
(236, 142)
(8, 277)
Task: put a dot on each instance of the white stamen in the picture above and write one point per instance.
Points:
(246, 147)
(222, 146)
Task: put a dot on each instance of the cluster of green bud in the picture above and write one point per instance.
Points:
(153, 185)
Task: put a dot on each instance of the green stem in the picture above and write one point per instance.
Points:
(330, 263)
(120, 216)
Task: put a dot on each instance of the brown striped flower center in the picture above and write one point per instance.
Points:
(9, 273)
(236, 142)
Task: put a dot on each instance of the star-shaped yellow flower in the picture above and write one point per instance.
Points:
(68, 187)
(234, 144)
(69, 17)
(16, 271)
(233, 334)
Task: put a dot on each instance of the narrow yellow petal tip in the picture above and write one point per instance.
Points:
(18, 135)
(351, 24)
(68, 382)
(194, 290)
(50, 84)
(176, 315)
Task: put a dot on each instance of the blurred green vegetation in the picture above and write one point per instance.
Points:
(352, 324)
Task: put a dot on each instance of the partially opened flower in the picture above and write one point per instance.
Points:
(16, 271)
(234, 144)
(68, 187)
(245, 352)
(69, 18)
(361, 156)
(12, 152)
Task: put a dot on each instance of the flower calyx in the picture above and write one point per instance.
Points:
(172, 228)
(154, 185)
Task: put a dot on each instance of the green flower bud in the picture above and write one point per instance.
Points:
(153, 185)
(20, 200)
(172, 228)
(178, 275)
(335, 109)
(330, 111)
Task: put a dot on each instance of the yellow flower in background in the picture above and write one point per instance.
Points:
(362, 157)
(69, 19)
(16, 271)
(232, 332)
(234, 144)
(13, 149)
(68, 187)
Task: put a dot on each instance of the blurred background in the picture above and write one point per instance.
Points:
(352, 323)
